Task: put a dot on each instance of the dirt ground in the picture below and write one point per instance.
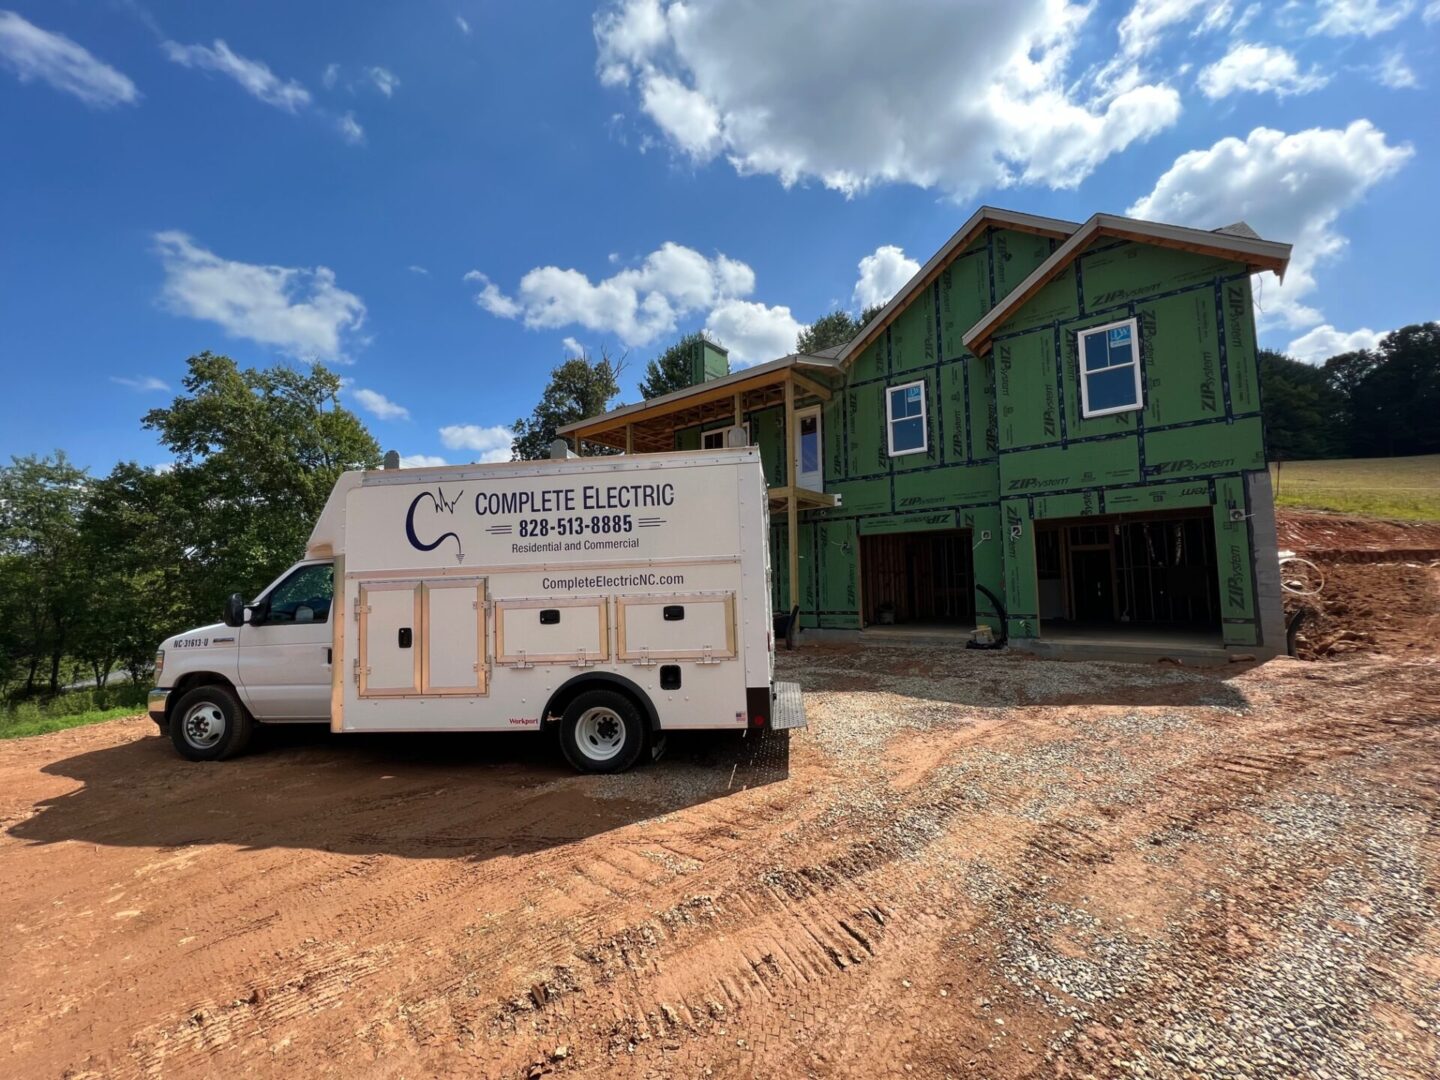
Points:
(959, 870)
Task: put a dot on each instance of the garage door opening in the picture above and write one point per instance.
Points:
(918, 579)
(1139, 570)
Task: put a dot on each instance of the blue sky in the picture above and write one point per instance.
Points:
(442, 200)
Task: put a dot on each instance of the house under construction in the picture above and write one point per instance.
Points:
(1052, 430)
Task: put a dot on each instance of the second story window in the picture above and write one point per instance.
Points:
(905, 419)
(1110, 369)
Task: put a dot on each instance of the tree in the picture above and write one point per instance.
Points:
(1395, 403)
(1305, 416)
(44, 589)
(256, 455)
(837, 328)
(578, 389)
(671, 370)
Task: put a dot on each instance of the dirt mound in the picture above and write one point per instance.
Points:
(1352, 538)
(1381, 591)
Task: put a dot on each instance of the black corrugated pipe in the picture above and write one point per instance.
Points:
(1004, 622)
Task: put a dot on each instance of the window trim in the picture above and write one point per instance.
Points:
(1086, 412)
(891, 419)
(721, 432)
(819, 415)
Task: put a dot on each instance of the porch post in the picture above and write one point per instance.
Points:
(792, 527)
(629, 438)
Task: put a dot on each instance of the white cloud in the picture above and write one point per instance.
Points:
(954, 96)
(350, 129)
(377, 404)
(1432, 12)
(753, 332)
(1260, 68)
(1144, 24)
(300, 311)
(491, 443)
(32, 53)
(415, 269)
(1325, 341)
(1287, 187)
(254, 75)
(1395, 73)
(331, 76)
(637, 304)
(142, 383)
(491, 298)
(384, 80)
(882, 274)
(1360, 18)
(572, 347)
(421, 461)
(464, 24)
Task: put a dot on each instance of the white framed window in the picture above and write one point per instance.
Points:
(905, 428)
(809, 450)
(1110, 369)
(715, 438)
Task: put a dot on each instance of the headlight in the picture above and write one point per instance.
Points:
(159, 665)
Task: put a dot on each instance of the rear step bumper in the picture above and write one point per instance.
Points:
(788, 713)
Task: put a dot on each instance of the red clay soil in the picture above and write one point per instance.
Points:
(1381, 591)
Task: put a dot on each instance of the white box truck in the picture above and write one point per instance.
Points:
(617, 598)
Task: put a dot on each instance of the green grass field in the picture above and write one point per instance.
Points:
(1404, 488)
(74, 708)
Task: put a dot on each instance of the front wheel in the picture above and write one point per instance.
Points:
(602, 732)
(208, 724)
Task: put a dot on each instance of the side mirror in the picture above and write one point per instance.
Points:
(235, 610)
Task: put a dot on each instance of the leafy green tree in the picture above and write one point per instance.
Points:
(579, 388)
(1305, 416)
(1395, 403)
(45, 584)
(256, 455)
(670, 371)
(836, 328)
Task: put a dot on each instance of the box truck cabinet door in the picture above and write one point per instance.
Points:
(694, 626)
(454, 637)
(284, 663)
(389, 614)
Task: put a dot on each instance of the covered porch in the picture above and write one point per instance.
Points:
(718, 408)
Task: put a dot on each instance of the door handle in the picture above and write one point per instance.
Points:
(405, 637)
(329, 654)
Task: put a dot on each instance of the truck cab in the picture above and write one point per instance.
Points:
(272, 656)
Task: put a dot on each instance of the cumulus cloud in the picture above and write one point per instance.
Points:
(379, 406)
(1258, 68)
(491, 443)
(753, 332)
(140, 383)
(882, 274)
(254, 75)
(953, 96)
(1147, 22)
(36, 54)
(1360, 18)
(572, 347)
(384, 80)
(299, 311)
(637, 304)
(1287, 187)
(1325, 341)
(421, 461)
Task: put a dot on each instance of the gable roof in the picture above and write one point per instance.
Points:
(985, 217)
(1237, 242)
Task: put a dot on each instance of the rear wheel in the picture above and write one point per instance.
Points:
(209, 724)
(602, 732)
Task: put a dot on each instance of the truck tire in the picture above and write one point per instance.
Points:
(602, 731)
(209, 724)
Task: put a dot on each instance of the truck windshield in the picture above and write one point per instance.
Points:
(304, 596)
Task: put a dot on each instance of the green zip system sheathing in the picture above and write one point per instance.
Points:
(1007, 445)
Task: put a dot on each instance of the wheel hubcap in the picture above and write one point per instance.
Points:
(600, 734)
(203, 725)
